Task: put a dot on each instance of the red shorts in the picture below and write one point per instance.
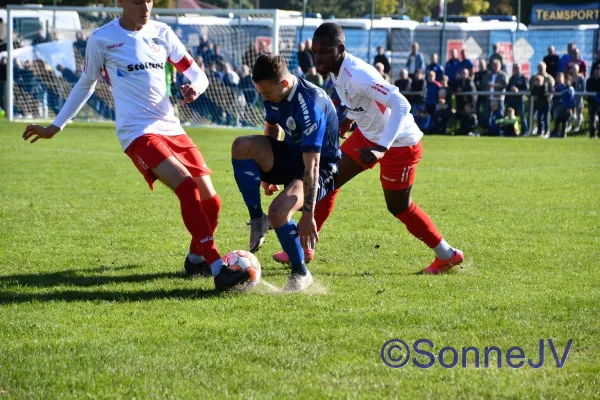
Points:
(398, 165)
(149, 150)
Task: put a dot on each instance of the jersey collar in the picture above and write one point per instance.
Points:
(293, 91)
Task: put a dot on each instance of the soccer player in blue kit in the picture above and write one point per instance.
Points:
(305, 162)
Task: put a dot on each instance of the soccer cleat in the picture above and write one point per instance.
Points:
(442, 266)
(298, 283)
(197, 269)
(283, 258)
(258, 229)
(228, 278)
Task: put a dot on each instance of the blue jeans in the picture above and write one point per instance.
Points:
(543, 118)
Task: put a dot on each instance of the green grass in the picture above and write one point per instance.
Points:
(92, 305)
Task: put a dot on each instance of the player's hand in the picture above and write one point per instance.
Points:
(370, 155)
(190, 93)
(344, 127)
(269, 189)
(307, 231)
(39, 132)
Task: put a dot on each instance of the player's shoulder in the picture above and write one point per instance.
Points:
(158, 26)
(357, 71)
(105, 31)
(308, 93)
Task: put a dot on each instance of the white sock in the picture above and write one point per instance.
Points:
(443, 251)
(216, 267)
(195, 258)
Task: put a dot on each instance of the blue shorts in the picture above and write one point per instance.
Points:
(288, 165)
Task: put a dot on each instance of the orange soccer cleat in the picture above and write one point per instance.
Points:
(283, 258)
(442, 266)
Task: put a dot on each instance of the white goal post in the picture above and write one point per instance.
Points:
(37, 84)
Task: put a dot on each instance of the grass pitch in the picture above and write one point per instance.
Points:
(92, 303)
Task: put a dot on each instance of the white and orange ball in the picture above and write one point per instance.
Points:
(242, 260)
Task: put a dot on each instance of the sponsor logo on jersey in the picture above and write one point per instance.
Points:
(115, 45)
(121, 73)
(145, 66)
(359, 109)
(310, 129)
(290, 123)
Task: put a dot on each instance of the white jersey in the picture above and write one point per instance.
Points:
(134, 64)
(364, 91)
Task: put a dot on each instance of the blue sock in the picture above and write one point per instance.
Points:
(247, 176)
(290, 242)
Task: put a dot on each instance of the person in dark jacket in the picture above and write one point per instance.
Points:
(381, 58)
(593, 85)
(417, 85)
(518, 84)
(431, 93)
(465, 85)
(404, 83)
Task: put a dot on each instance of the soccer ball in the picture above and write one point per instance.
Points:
(242, 260)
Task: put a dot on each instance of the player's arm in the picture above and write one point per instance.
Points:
(308, 230)
(313, 134)
(388, 95)
(81, 92)
(185, 64)
(272, 130)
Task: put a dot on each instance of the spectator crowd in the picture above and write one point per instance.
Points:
(456, 97)
(484, 99)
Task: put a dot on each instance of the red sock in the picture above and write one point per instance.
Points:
(211, 208)
(420, 225)
(324, 208)
(196, 221)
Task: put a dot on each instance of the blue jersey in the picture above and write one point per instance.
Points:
(309, 120)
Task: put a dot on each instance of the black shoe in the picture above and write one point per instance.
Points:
(228, 278)
(200, 269)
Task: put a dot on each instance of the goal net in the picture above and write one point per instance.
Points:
(49, 47)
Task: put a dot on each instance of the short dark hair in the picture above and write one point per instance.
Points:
(331, 33)
(269, 67)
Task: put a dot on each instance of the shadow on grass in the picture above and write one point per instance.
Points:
(113, 296)
(82, 277)
(93, 277)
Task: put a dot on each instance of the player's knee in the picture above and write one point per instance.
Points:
(398, 208)
(240, 149)
(278, 215)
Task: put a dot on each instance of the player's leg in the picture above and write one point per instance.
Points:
(249, 156)
(280, 214)
(174, 174)
(348, 167)
(188, 154)
(154, 156)
(397, 176)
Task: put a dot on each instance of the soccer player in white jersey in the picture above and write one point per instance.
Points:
(132, 51)
(386, 133)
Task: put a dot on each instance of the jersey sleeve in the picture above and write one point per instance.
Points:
(374, 86)
(93, 61)
(176, 52)
(312, 122)
(82, 91)
(269, 115)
